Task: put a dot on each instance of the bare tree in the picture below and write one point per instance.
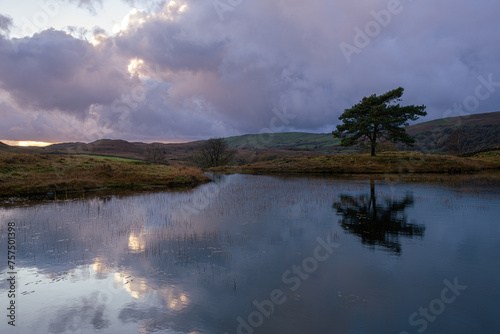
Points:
(212, 153)
(455, 141)
(155, 154)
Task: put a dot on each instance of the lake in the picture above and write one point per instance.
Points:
(257, 254)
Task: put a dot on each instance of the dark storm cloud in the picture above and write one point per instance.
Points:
(242, 68)
(165, 45)
(54, 71)
(221, 68)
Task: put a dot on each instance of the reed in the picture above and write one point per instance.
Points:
(33, 174)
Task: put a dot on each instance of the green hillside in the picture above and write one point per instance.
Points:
(287, 141)
(448, 135)
(64, 146)
(457, 134)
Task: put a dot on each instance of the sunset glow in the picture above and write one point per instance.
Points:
(135, 65)
(26, 143)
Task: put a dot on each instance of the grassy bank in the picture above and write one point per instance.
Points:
(383, 163)
(31, 174)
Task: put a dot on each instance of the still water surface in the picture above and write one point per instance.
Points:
(259, 254)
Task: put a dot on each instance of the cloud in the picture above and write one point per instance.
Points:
(263, 66)
(54, 71)
(6, 23)
(90, 5)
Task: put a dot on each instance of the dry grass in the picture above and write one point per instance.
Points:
(29, 174)
(383, 163)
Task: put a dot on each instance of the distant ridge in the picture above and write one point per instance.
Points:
(115, 147)
(5, 147)
(295, 141)
(472, 133)
(64, 146)
(121, 148)
(460, 134)
(475, 119)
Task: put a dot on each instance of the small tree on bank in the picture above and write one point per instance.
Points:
(456, 141)
(155, 153)
(213, 153)
(376, 118)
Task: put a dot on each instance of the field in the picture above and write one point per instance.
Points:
(30, 173)
(383, 163)
(23, 174)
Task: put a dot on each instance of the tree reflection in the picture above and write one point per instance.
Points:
(377, 224)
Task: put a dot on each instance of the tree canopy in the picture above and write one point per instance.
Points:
(378, 117)
(213, 153)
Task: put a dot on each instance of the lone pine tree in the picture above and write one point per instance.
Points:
(376, 118)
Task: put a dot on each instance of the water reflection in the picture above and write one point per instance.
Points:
(194, 261)
(378, 224)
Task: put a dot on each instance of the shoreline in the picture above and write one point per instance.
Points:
(393, 163)
(29, 175)
(46, 176)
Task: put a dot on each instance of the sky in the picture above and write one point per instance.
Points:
(152, 70)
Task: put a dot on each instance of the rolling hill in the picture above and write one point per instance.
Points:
(296, 141)
(460, 135)
(449, 135)
(65, 146)
(122, 148)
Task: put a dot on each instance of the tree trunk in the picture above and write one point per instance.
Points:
(374, 143)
